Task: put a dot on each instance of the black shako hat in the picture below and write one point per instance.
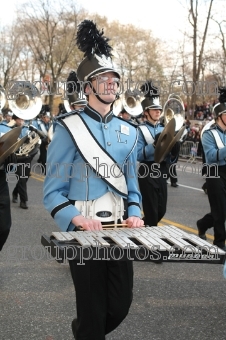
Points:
(75, 94)
(97, 52)
(220, 107)
(151, 94)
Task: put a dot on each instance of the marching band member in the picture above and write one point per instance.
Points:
(7, 117)
(43, 124)
(23, 167)
(153, 184)
(214, 147)
(76, 98)
(5, 209)
(103, 288)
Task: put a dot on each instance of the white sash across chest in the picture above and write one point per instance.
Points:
(88, 146)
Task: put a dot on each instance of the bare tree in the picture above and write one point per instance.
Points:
(197, 56)
(50, 32)
(11, 48)
(222, 56)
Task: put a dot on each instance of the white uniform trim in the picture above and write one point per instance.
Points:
(147, 134)
(80, 133)
(218, 140)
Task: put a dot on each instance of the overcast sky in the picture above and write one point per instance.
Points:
(166, 18)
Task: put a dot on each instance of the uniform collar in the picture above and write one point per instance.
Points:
(220, 129)
(96, 116)
(152, 125)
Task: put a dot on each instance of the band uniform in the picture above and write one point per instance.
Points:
(103, 289)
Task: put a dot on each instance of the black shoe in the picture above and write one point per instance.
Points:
(14, 199)
(74, 327)
(23, 205)
(204, 188)
(202, 234)
(175, 185)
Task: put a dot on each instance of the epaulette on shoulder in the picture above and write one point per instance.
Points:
(213, 126)
(126, 121)
(67, 114)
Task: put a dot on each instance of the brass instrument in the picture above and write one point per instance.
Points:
(24, 100)
(117, 106)
(26, 104)
(131, 102)
(28, 146)
(8, 143)
(174, 108)
(174, 117)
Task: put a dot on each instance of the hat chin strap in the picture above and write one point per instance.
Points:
(101, 100)
(222, 120)
(154, 120)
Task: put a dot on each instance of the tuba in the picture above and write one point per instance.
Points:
(25, 102)
(131, 102)
(29, 144)
(174, 116)
(174, 108)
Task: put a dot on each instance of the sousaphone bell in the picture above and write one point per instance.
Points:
(24, 100)
(174, 108)
(174, 116)
(131, 101)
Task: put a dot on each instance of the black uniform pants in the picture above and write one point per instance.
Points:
(103, 296)
(23, 173)
(153, 188)
(216, 191)
(5, 212)
(173, 173)
(43, 155)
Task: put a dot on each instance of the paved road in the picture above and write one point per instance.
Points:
(171, 300)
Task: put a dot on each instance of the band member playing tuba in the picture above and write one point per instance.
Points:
(23, 167)
(25, 102)
(82, 191)
(152, 175)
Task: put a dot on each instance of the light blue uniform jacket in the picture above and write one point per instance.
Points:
(145, 152)
(212, 153)
(67, 178)
(40, 125)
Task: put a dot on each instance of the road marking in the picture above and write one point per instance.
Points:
(37, 176)
(187, 186)
(184, 227)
